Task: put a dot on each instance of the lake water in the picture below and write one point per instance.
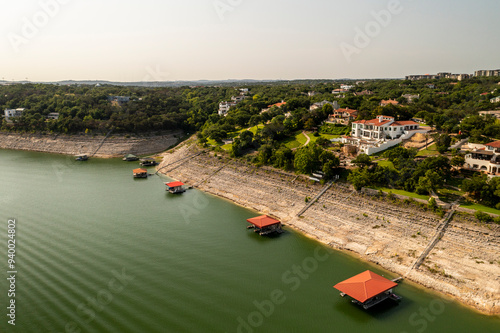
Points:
(97, 251)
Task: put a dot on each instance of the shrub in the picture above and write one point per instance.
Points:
(483, 217)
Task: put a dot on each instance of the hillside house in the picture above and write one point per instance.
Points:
(319, 105)
(485, 158)
(343, 116)
(388, 102)
(381, 133)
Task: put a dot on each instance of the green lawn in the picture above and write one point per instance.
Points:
(402, 192)
(449, 195)
(329, 136)
(430, 151)
(227, 147)
(386, 163)
(251, 129)
(297, 141)
(301, 138)
(481, 208)
(212, 142)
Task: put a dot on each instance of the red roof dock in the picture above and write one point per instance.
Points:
(140, 173)
(264, 225)
(367, 289)
(175, 187)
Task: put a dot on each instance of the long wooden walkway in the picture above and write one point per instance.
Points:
(437, 237)
(212, 174)
(183, 160)
(312, 201)
(102, 143)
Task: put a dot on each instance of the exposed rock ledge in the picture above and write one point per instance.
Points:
(464, 264)
(113, 146)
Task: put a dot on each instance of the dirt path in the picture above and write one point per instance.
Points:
(308, 139)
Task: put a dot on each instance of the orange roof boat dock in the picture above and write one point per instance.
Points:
(264, 225)
(368, 289)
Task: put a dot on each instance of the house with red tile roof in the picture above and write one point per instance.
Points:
(383, 132)
(382, 127)
(389, 102)
(343, 116)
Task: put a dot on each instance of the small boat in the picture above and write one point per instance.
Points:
(145, 162)
(130, 157)
(140, 173)
(81, 157)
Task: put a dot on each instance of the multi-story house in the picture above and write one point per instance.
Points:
(343, 116)
(375, 135)
(485, 158)
(364, 93)
(319, 105)
(10, 113)
(410, 98)
(224, 107)
(382, 127)
(389, 102)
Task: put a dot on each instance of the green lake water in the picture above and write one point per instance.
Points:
(97, 251)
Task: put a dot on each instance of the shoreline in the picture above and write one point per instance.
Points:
(101, 146)
(449, 273)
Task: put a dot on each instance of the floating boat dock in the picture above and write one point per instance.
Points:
(81, 157)
(140, 173)
(175, 187)
(145, 162)
(368, 289)
(264, 225)
(130, 158)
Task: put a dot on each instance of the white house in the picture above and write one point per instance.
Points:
(119, 99)
(382, 127)
(319, 105)
(237, 99)
(9, 113)
(410, 98)
(339, 91)
(53, 115)
(346, 86)
(495, 100)
(224, 107)
(485, 158)
(381, 133)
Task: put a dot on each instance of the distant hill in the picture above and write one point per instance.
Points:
(196, 83)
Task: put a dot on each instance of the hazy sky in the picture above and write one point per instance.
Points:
(125, 40)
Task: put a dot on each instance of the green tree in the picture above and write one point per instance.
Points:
(457, 161)
(430, 182)
(443, 142)
(362, 160)
(360, 178)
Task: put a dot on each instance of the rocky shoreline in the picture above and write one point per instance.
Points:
(105, 147)
(464, 264)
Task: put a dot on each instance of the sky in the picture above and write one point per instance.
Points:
(167, 40)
